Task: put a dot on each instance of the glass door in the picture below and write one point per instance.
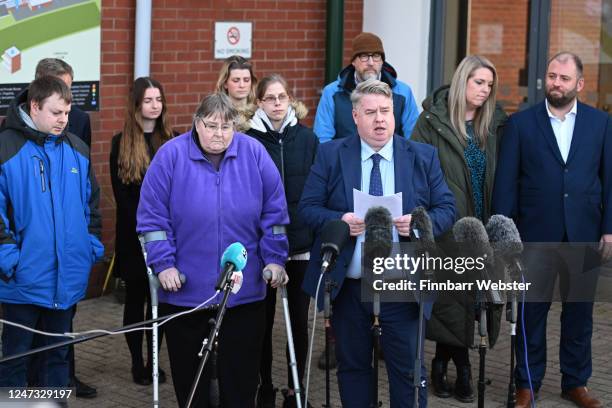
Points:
(584, 27)
(500, 31)
(519, 37)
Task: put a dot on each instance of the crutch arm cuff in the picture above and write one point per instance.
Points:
(153, 236)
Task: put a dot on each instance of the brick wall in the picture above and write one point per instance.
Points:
(498, 30)
(288, 38)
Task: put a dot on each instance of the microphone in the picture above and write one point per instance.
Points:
(378, 234)
(334, 236)
(506, 242)
(470, 231)
(421, 230)
(234, 259)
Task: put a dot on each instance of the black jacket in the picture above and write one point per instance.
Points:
(79, 124)
(129, 261)
(293, 152)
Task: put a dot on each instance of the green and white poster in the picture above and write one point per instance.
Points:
(31, 30)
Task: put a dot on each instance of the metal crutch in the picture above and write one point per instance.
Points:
(292, 359)
(267, 275)
(153, 286)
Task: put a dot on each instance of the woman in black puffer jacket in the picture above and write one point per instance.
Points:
(292, 146)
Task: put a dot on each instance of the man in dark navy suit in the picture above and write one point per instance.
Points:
(78, 121)
(378, 162)
(554, 178)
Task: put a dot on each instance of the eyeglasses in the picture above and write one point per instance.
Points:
(376, 57)
(213, 127)
(282, 98)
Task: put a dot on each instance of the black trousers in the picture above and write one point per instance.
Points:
(137, 295)
(445, 352)
(238, 353)
(299, 302)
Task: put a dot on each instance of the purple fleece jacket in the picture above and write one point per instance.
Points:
(203, 211)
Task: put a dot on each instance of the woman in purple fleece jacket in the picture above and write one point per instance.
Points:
(206, 189)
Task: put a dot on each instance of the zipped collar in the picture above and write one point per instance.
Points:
(262, 123)
(346, 78)
(18, 119)
(195, 153)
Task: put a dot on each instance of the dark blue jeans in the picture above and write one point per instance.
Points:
(16, 340)
(352, 321)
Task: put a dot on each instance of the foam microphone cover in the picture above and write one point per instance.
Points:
(421, 230)
(378, 233)
(469, 230)
(504, 237)
(235, 254)
(334, 236)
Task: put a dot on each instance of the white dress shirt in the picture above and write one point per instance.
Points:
(563, 129)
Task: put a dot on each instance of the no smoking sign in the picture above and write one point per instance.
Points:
(233, 35)
(233, 38)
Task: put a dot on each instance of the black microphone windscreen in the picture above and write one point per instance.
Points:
(504, 237)
(334, 235)
(378, 233)
(421, 229)
(469, 230)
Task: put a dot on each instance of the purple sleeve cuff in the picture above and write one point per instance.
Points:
(161, 266)
(275, 260)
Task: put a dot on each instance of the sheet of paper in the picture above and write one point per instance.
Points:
(362, 202)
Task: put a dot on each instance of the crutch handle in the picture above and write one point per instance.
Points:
(154, 280)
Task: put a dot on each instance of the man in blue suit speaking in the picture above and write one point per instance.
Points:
(554, 178)
(377, 161)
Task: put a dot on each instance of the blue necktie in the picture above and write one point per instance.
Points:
(376, 187)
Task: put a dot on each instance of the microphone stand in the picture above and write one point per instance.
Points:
(417, 360)
(376, 333)
(511, 317)
(210, 343)
(329, 285)
(482, 348)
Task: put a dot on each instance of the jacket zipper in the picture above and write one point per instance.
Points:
(219, 239)
(282, 157)
(55, 302)
(41, 168)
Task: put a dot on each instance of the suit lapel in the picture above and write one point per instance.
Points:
(579, 131)
(350, 163)
(544, 124)
(403, 164)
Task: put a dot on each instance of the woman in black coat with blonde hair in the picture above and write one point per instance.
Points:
(145, 129)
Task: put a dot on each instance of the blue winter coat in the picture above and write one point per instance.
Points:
(49, 220)
(334, 117)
